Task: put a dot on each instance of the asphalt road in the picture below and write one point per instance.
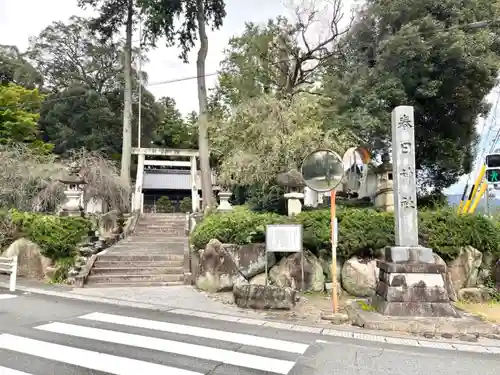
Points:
(43, 335)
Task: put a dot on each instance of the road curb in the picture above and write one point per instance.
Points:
(327, 332)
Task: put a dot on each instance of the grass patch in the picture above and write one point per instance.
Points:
(489, 311)
(365, 306)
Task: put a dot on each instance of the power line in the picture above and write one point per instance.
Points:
(470, 26)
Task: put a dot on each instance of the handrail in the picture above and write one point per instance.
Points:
(9, 265)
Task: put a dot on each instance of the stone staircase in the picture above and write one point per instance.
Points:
(152, 255)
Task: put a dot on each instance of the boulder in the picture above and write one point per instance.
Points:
(464, 269)
(487, 268)
(474, 295)
(259, 279)
(223, 265)
(211, 260)
(264, 297)
(325, 258)
(251, 259)
(452, 293)
(288, 272)
(360, 277)
(30, 262)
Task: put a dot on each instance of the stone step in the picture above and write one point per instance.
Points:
(149, 254)
(136, 270)
(154, 237)
(110, 279)
(156, 246)
(160, 245)
(138, 264)
(163, 231)
(128, 284)
(139, 257)
(162, 222)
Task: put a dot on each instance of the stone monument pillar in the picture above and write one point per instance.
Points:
(410, 282)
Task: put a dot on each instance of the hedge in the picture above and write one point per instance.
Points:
(362, 231)
(57, 236)
(240, 226)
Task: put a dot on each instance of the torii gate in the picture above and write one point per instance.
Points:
(138, 197)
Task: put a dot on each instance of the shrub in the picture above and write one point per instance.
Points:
(363, 231)
(240, 226)
(57, 236)
(445, 232)
(186, 205)
(164, 205)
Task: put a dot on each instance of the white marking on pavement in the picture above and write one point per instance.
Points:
(85, 358)
(237, 338)
(10, 371)
(176, 347)
(7, 296)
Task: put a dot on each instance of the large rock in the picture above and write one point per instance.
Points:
(474, 295)
(288, 272)
(325, 258)
(464, 269)
(223, 265)
(452, 293)
(264, 297)
(30, 262)
(486, 271)
(259, 279)
(251, 259)
(211, 260)
(360, 277)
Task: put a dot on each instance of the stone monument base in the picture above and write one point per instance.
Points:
(412, 284)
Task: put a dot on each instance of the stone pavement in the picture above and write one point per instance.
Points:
(184, 300)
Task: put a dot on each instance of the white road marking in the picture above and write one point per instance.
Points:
(176, 347)
(237, 338)
(7, 296)
(10, 371)
(85, 358)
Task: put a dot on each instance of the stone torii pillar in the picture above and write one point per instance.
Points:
(410, 282)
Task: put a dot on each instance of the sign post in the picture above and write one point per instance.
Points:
(285, 238)
(323, 171)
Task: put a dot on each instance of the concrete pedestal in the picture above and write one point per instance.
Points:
(412, 284)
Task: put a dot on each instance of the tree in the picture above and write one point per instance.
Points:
(69, 54)
(19, 115)
(281, 57)
(173, 131)
(14, 68)
(402, 53)
(80, 117)
(266, 136)
(160, 18)
(113, 14)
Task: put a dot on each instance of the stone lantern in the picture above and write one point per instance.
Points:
(74, 191)
(294, 181)
(384, 194)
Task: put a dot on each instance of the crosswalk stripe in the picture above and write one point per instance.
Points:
(10, 371)
(237, 338)
(7, 296)
(176, 347)
(86, 358)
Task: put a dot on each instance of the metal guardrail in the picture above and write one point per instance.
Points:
(9, 265)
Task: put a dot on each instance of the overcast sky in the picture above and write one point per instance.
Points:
(20, 19)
